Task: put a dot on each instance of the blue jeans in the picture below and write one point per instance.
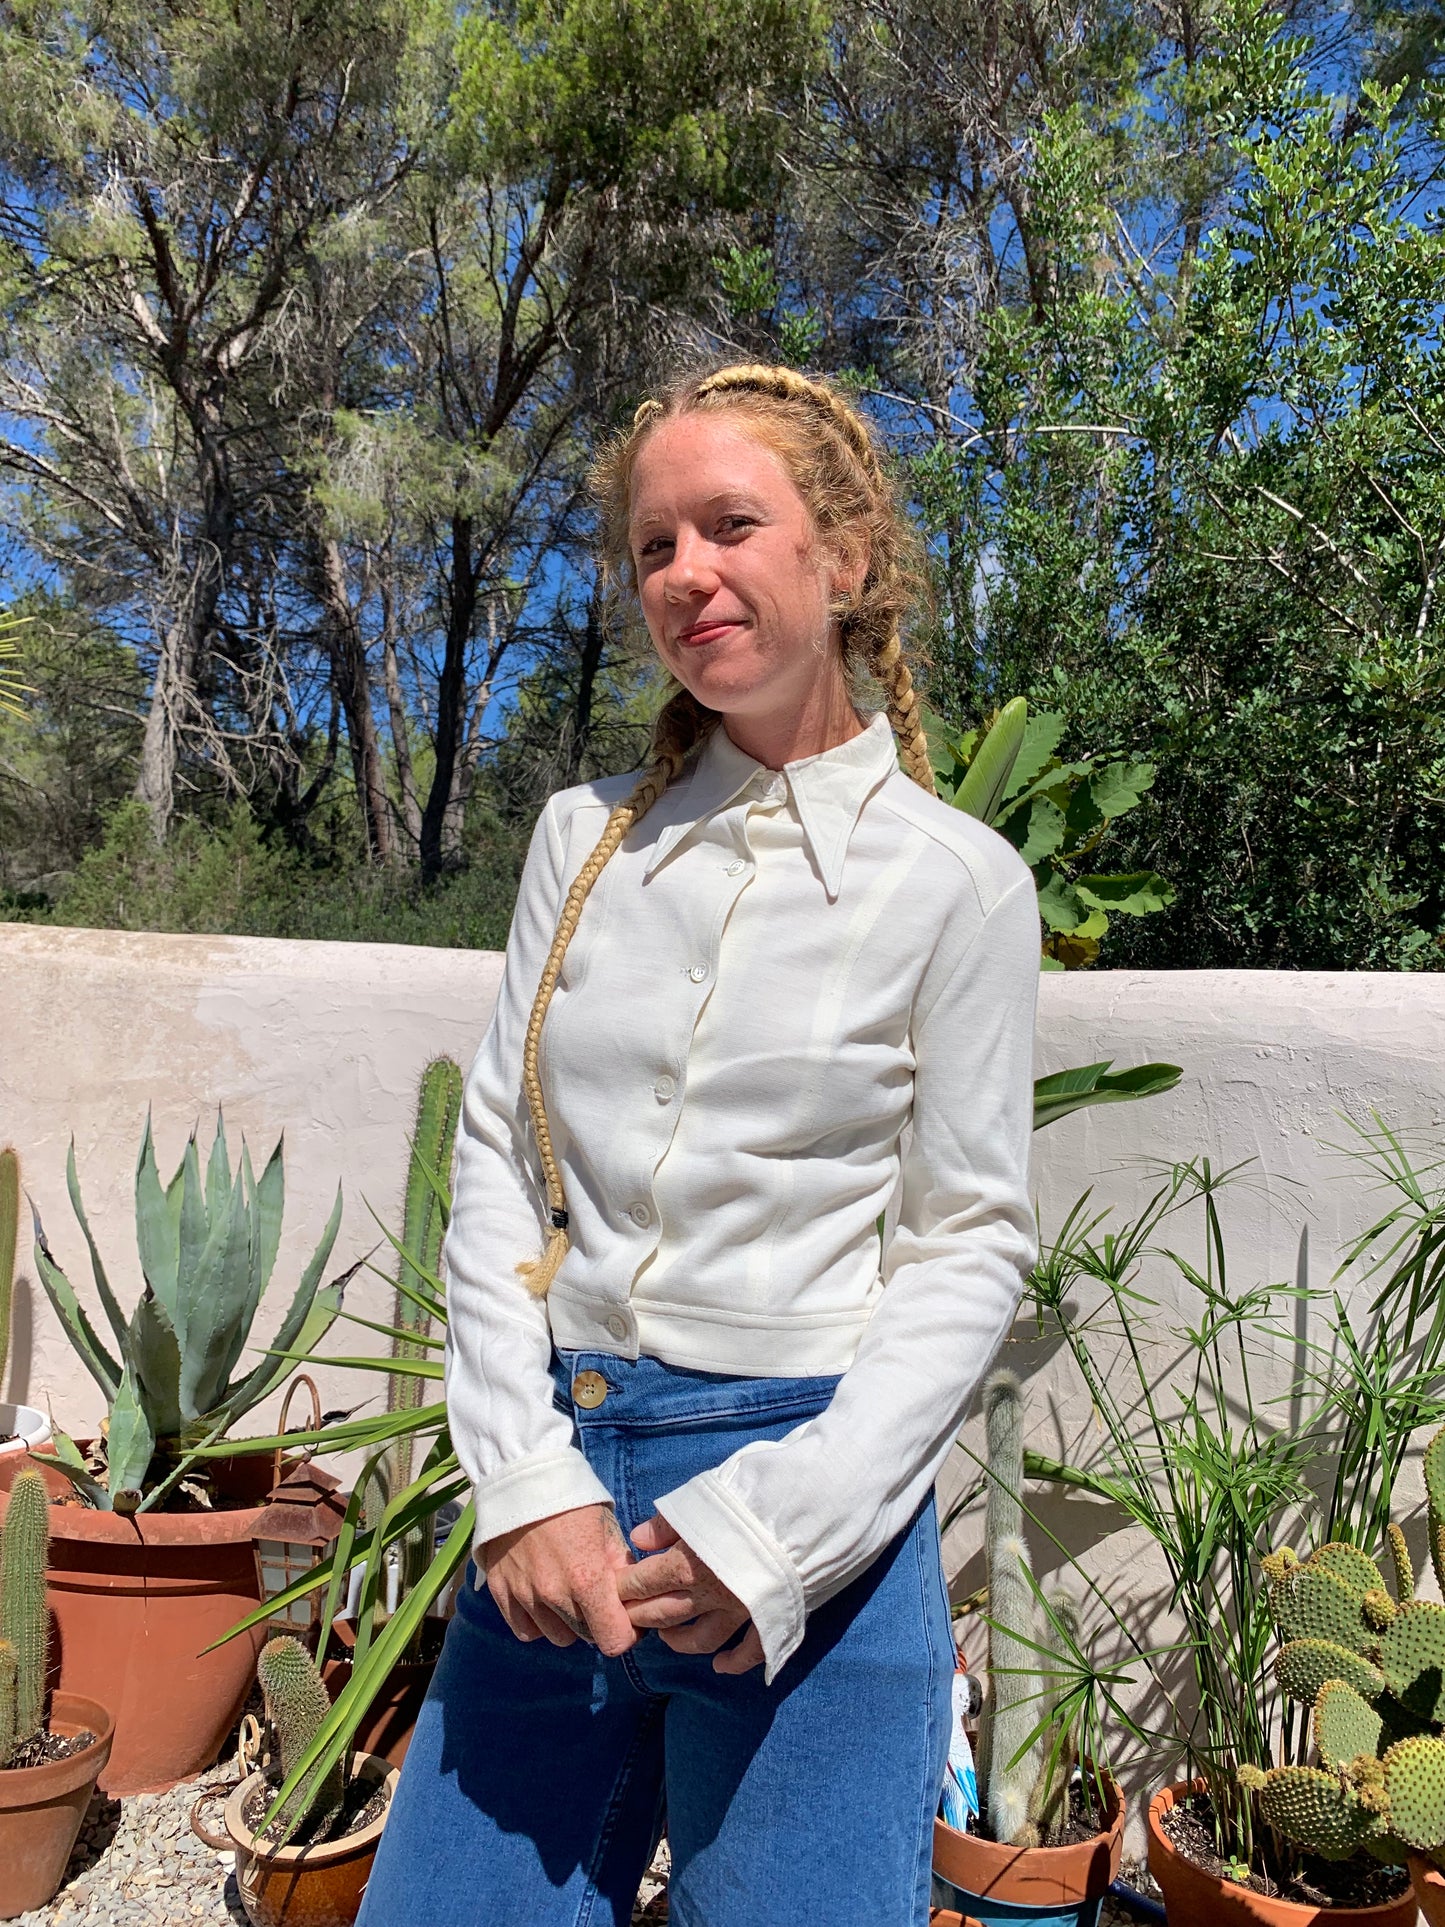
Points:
(539, 1776)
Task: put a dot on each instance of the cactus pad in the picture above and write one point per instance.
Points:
(1378, 1607)
(1344, 1725)
(1315, 1603)
(1304, 1665)
(1415, 1782)
(1400, 1562)
(1322, 1811)
(1356, 1568)
(1412, 1658)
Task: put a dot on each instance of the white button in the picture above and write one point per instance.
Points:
(617, 1327)
(736, 869)
(775, 789)
(663, 1089)
(640, 1214)
(698, 972)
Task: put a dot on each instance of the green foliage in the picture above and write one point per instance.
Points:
(24, 1609)
(9, 1242)
(1055, 814)
(208, 1243)
(296, 1705)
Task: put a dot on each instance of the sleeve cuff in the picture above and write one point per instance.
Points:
(532, 1489)
(744, 1555)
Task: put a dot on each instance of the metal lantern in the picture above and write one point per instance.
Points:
(299, 1523)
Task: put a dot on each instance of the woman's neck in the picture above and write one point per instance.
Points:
(826, 719)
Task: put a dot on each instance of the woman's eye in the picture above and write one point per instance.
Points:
(735, 524)
(655, 545)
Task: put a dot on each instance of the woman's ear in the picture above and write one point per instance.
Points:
(849, 566)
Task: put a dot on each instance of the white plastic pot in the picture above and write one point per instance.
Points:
(33, 1427)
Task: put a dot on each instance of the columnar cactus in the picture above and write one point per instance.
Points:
(7, 1702)
(9, 1238)
(296, 1704)
(1025, 1781)
(1371, 1666)
(24, 1613)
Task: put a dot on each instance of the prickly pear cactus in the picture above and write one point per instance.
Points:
(296, 1704)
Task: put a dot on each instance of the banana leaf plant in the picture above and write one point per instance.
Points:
(416, 1345)
(208, 1243)
(1055, 814)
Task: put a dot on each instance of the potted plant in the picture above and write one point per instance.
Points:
(1050, 1834)
(48, 1764)
(305, 1857)
(151, 1556)
(21, 1426)
(1369, 1663)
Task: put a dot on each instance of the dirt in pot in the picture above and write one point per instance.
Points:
(44, 1749)
(364, 1802)
(1361, 1882)
(1087, 1818)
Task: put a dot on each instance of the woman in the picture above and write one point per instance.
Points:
(754, 999)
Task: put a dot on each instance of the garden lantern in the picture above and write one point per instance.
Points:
(299, 1523)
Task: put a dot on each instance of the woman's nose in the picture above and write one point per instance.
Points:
(690, 568)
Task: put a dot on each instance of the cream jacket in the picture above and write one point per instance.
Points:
(795, 1001)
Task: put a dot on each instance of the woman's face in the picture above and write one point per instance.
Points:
(734, 583)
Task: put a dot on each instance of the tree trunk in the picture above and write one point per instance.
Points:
(396, 712)
(591, 662)
(451, 691)
(348, 665)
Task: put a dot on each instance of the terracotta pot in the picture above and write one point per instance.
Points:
(135, 1602)
(388, 1725)
(1061, 1884)
(1195, 1898)
(41, 1807)
(315, 1886)
(1429, 1884)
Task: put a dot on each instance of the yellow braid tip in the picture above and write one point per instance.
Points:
(537, 1273)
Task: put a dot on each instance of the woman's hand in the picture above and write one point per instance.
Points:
(557, 1579)
(685, 1601)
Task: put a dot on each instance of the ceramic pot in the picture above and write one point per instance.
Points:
(1429, 1884)
(41, 1807)
(135, 1604)
(388, 1724)
(314, 1886)
(1044, 1886)
(1195, 1898)
(30, 1427)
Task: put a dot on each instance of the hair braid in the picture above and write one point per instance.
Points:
(828, 450)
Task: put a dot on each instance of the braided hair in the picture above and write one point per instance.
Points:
(829, 452)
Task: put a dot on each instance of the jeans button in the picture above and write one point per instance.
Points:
(588, 1390)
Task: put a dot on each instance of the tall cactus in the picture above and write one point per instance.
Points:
(7, 1702)
(424, 1221)
(9, 1236)
(24, 1613)
(1013, 1707)
(296, 1704)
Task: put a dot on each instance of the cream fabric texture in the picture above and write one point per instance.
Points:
(795, 1000)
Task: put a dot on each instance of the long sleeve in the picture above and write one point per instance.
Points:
(514, 1446)
(787, 1523)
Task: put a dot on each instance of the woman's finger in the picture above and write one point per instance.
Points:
(552, 1625)
(705, 1633)
(666, 1609)
(664, 1572)
(743, 1657)
(654, 1535)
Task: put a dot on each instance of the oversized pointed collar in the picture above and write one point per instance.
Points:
(828, 792)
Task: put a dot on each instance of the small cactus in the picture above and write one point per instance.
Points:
(24, 1611)
(296, 1704)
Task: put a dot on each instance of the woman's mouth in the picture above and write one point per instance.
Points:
(701, 632)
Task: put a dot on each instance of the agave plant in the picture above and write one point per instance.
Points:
(208, 1245)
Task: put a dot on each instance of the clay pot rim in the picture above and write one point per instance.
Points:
(1425, 1872)
(83, 1523)
(32, 1786)
(1379, 1911)
(1071, 1867)
(319, 1853)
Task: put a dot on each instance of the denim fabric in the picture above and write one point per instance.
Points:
(538, 1777)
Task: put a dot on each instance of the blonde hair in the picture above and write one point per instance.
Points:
(830, 455)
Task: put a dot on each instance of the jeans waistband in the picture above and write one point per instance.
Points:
(646, 1394)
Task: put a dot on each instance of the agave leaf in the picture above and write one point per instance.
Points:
(71, 1313)
(130, 1446)
(310, 1317)
(157, 1227)
(218, 1173)
(216, 1301)
(270, 1200)
(155, 1353)
(195, 1233)
(67, 1458)
(107, 1297)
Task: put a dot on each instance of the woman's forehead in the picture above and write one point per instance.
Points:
(696, 460)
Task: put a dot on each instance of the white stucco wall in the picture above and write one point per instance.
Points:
(327, 1040)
